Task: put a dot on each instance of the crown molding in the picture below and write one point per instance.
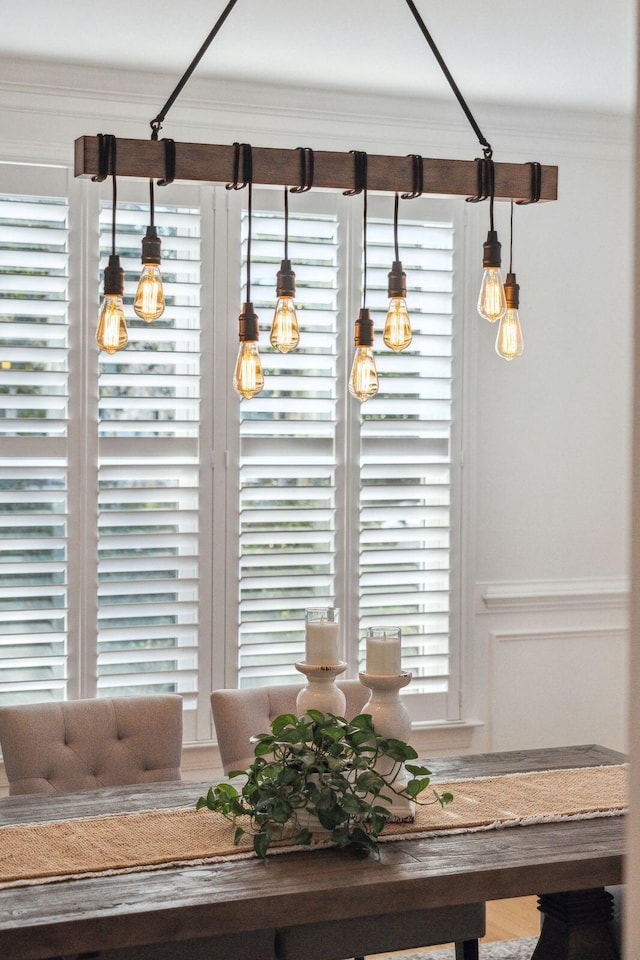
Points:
(282, 115)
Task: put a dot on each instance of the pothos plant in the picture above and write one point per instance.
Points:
(320, 765)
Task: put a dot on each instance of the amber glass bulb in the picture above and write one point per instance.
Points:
(111, 334)
(248, 378)
(149, 299)
(509, 342)
(492, 303)
(363, 382)
(285, 333)
(397, 328)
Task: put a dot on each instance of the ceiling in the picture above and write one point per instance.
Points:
(564, 53)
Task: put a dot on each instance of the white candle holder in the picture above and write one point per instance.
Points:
(391, 719)
(321, 692)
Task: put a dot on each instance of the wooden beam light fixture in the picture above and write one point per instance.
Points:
(409, 176)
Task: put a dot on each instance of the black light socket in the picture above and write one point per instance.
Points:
(397, 281)
(113, 277)
(286, 280)
(364, 329)
(512, 292)
(248, 323)
(492, 250)
(151, 245)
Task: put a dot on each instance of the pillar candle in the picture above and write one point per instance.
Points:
(322, 643)
(384, 652)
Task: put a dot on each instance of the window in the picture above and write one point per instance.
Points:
(341, 503)
(158, 534)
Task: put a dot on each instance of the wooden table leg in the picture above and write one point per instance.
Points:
(576, 926)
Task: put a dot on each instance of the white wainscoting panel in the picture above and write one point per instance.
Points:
(551, 688)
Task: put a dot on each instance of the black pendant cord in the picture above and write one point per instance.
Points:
(484, 143)
(152, 207)
(511, 240)
(286, 224)
(249, 213)
(157, 122)
(364, 246)
(395, 229)
(114, 200)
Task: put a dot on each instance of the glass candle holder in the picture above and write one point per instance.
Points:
(384, 651)
(322, 635)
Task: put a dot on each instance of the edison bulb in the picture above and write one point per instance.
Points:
(149, 299)
(248, 378)
(285, 333)
(492, 303)
(112, 334)
(397, 328)
(509, 342)
(363, 382)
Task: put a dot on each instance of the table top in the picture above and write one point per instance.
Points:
(242, 895)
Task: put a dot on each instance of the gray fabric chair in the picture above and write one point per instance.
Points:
(238, 715)
(83, 744)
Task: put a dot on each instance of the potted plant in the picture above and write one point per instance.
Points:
(324, 769)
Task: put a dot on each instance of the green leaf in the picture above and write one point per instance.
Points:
(261, 844)
(237, 773)
(418, 770)
(414, 787)
(282, 721)
(444, 798)
(201, 802)
(238, 835)
(370, 782)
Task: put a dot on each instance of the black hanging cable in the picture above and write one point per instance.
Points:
(396, 248)
(484, 143)
(286, 224)
(249, 214)
(152, 206)
(114, 200)
(157, 122)
(511, 239)
(364, 244)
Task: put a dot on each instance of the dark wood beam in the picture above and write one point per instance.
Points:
(214, 163)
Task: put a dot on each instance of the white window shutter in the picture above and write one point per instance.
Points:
(34, 276)
(148, 499)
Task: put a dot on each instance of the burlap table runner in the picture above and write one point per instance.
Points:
(161, 838)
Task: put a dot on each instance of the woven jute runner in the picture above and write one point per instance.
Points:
(153, 839)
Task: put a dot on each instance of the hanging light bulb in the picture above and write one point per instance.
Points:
(397, 327)
(509, 342)
(491, 302)
(363, 382)
(248, 378)
(285, 333)
(111, 334)
(149, 299)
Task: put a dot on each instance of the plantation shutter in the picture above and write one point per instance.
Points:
(287, 462)
(34, 277)
(405, 457)
(148, 502)
(293, 516)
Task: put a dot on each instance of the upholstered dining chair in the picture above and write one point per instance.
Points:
(238, 715)
(82, 744)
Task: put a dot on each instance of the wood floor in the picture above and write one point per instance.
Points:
(508, 920)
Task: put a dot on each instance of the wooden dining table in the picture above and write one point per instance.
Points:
(181, 911)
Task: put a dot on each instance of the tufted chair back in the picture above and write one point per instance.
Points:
(83, 744)
(240, 714)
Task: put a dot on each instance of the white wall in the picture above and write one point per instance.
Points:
(547, 447)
